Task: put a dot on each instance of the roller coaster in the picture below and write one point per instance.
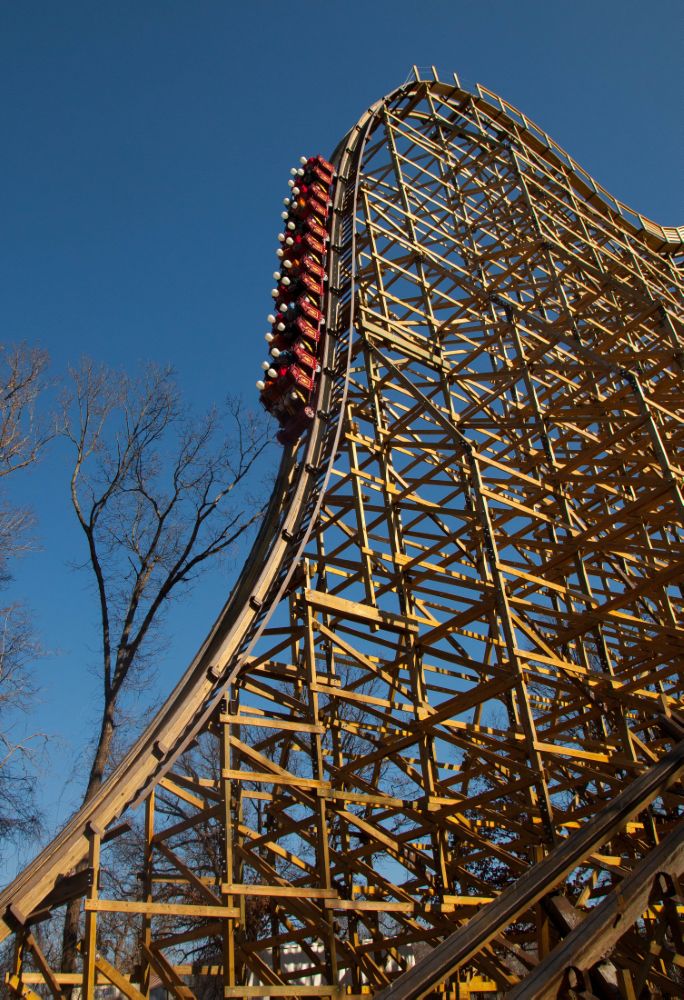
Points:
(434, 743)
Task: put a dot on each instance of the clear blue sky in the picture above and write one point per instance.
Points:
(146, 147)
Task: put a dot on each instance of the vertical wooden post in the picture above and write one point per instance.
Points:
(90, 935)
(145, 969)
(322, 833)
(18, 958)
(229, 925)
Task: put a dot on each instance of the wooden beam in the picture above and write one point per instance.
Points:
(159, 909)
(605, 923)
(460, 946)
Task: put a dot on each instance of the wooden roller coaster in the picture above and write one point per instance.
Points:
(434, 744)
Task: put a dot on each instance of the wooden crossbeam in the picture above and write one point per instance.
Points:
(493, 919)
(605, 924)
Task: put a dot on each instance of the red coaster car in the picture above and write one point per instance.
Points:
(313, 190)
(290, 383)
(312, 284)
(304, 357)
(297, 376)
(312, 266)
(310, 224)
(316, 229)
(307, 329)
(302, 208)
(299, 328)
(284, 394)
(309, 310)
(296, 426)
(294, 243)
(319, 168)
(287, 352)
(324, 165)
(294, 265)
(287, 307)
(321, 191)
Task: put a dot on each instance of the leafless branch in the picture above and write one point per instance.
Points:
(22, 378)
(23, 435)
(158, 495)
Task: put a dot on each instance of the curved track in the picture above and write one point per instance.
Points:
(450, 348)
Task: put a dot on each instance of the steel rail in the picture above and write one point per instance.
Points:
(296, 499)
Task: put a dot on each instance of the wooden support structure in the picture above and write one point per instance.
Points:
(433, 745)
(633, 893)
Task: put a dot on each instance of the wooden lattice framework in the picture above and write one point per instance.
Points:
(443, 702)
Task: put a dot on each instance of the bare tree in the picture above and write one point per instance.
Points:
(22, 437)
(157, 495)
(19, 817)
(22, 379)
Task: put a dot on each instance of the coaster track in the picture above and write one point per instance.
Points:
(444, 697)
